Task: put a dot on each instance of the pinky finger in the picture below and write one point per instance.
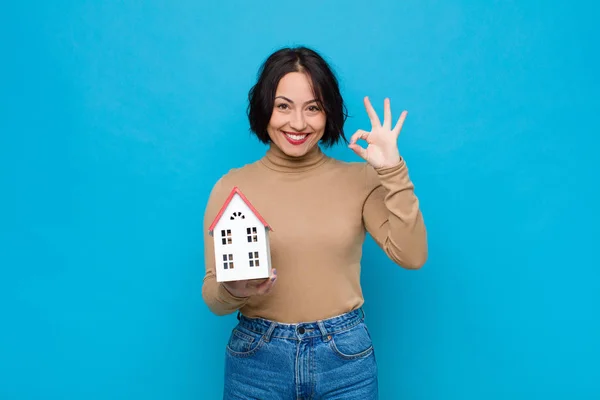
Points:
(400, 122)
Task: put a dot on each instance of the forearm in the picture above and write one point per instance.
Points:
(393, 217)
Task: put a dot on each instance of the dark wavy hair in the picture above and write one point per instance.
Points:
(261, 96)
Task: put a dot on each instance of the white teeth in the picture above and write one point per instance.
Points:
(295, 137)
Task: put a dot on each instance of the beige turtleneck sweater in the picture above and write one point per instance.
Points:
(320, 209)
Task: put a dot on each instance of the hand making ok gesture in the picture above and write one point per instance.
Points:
(382, 149)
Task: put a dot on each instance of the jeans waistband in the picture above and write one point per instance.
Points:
(303, 330)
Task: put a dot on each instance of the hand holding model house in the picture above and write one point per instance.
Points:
(241, 245)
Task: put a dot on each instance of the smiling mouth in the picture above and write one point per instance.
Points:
(296, 138)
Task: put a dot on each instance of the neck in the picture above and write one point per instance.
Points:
(279, 161)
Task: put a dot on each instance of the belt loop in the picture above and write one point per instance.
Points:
(269, 332)
(324, 334)
(364, 315)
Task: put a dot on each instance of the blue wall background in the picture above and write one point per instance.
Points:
(117, 118)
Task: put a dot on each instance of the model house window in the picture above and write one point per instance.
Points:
(237, 215)
(228, 261)
(253, 256)
(226, 236)
(252, 235)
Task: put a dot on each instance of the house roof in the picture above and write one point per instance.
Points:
(237, 191)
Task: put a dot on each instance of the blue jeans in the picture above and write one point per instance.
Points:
(328, 359)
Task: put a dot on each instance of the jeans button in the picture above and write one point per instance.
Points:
(301, 330)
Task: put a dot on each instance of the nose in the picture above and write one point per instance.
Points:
(297, 122)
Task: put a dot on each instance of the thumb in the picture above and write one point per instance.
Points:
(360, 151)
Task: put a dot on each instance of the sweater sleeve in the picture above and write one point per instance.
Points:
(215, 295)
(392, 216)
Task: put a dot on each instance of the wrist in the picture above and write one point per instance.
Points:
(394, 162)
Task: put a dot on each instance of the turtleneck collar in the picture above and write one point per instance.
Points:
(277, 160)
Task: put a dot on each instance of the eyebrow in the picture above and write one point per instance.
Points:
(285, 98)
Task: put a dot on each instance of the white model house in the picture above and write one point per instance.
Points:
(241, 240)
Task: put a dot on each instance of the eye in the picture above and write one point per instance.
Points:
(314, 108)
(282, 106)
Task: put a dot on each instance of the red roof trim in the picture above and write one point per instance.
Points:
(235, 191)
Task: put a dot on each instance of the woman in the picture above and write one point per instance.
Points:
(301, 333)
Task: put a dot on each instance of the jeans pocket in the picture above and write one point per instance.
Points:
(353, 343)
(244, 343)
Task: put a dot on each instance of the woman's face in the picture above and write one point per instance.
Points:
(298, 120)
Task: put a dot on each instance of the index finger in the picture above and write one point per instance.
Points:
(252, 283)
